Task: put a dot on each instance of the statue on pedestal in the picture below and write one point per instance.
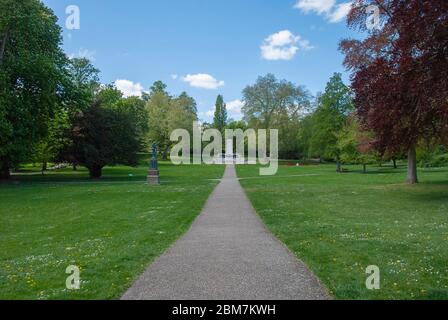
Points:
(153, 173)
(154, 164)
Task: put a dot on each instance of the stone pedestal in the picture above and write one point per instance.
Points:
(153, 177)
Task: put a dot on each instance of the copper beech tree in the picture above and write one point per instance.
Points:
(400, 73)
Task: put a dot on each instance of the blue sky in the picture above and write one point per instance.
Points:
(208, 47)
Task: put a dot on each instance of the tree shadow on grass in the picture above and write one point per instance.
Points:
(433, 191)
(120, 174)
(391, 170)
(68, 178)
(81, 175)
(434, 294)
(375, 171)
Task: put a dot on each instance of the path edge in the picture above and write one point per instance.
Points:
(128, 287)
(298, 259)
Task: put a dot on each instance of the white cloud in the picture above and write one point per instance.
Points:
(318, 6)
(174, 76)
(234, 107)
(209, 114)
(305, 45)
(282, 38)
(340, 12)
(84, 53)
(203, 81)
(233, 110)
(283, 45)
(129, 88)
(332, 11)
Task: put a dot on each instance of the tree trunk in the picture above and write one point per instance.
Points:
(75, 167)
(3, 45)
(412, 166)
(95, 172)
(44, 166)
(5, 172)
(165, 153)
(338, 166)
(364, 168)
(395, 163)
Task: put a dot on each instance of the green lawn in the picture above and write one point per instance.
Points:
(339, 224)
(111, 228)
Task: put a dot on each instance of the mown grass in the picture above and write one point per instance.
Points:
(339, 224)
(111, 228)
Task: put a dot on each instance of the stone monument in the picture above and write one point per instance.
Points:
(229, 152)
(153, 173)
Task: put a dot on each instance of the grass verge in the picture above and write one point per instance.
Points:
(111, 228)
(339, 224)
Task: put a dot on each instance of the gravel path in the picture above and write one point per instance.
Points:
(228, 254)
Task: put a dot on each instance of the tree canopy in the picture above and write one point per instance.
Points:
(54, 109)
(104, 136)
(32, 78)
(270, 99)
(333, 107)
(400, 73)
(167, 113)
(220, 117)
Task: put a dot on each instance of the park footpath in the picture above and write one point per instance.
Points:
(228, 254)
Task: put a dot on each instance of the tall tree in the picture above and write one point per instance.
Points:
(269, 97)
(183, 113)
(158, 87)
(158, 107)
(32, 78)
(400, 73)
(277, 104)
(50, 147)
(334, 105)
(187, 103)
(135, 107)
(105, 134)
(167, 113)
(304, 136)
(220, 118)
(84, 82)
(355, 145)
